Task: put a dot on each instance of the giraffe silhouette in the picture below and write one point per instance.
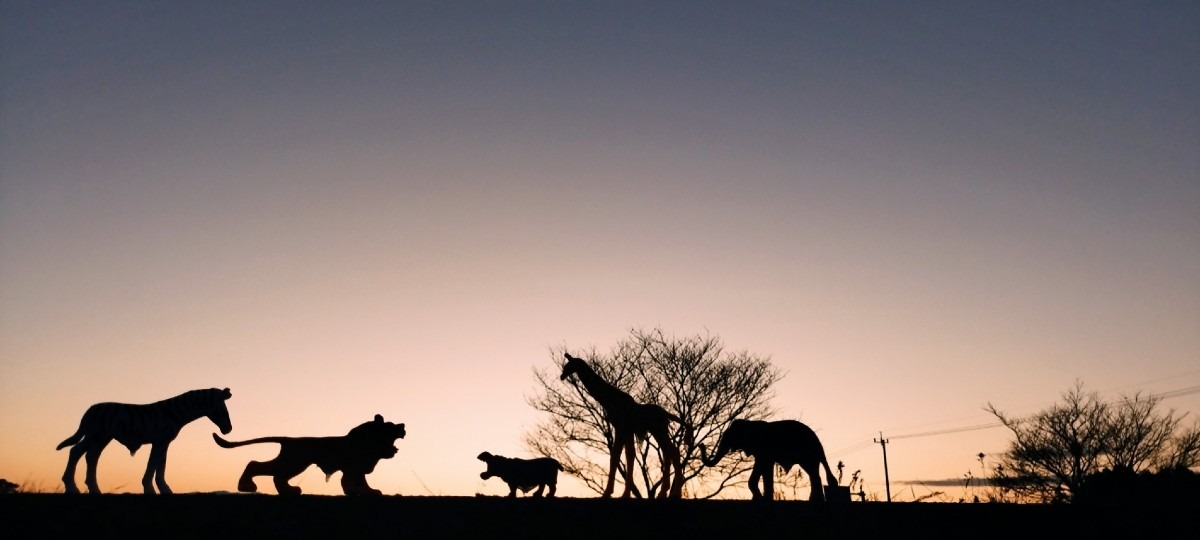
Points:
(629, 419)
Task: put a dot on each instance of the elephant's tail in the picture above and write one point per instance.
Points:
(830, 479)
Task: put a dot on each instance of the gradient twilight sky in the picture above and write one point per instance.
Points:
(338, 209)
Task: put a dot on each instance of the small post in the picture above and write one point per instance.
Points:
(886, 481)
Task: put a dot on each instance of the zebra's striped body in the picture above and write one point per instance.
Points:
(156, 424)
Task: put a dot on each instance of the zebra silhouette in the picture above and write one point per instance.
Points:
(134, 425)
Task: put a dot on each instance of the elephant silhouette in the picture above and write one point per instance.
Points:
(786, 442)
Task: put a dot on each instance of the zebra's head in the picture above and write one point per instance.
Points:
(219, 414)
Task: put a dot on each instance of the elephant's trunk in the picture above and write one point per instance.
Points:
(722, 449)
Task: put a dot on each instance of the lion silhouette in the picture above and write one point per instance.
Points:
(355, 455)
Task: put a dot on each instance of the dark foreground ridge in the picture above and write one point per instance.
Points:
(224, 516)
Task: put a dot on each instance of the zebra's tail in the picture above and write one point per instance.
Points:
(72, 440)
(233, 444)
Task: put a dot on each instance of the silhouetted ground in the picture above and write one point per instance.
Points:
(210, 516)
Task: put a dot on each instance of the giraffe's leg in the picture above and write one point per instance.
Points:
(671, 487)
(667, 449)
(614, 459)
(629, 464)
(677, 484)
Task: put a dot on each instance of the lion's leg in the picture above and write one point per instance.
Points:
(284, 473)
(279, 472)
(254, 468)
(283, 487)
(553, 488)
(356, 484)
(512, 490)
(540, 489)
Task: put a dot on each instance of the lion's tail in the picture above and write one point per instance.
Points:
(234, 444)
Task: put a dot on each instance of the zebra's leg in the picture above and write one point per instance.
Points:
(92, 458)
(68, 478)
(156, 468)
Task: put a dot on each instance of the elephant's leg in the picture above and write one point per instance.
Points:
(814, 477)
(768, 476)
(755, 476)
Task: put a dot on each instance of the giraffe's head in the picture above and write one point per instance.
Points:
(574, 365)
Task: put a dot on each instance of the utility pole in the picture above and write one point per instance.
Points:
(886, 481)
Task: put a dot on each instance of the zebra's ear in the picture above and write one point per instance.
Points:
(379, 418)
(228, 394)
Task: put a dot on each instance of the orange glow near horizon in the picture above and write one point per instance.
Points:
(400, 210)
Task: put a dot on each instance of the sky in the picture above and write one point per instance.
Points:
(342, 209)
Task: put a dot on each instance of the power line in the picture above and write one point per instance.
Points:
(947, 431)
(1162, 395)
(1176, 393)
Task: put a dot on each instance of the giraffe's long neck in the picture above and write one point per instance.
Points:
(607, 394)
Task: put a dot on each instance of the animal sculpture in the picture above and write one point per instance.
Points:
(783, 442)
(134, 425)
(354, 454)
(630, 418)
(522, 474)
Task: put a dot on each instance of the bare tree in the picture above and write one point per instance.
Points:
(1138, 433)
(1182, 452)
(1056, 451)
(694, 378)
